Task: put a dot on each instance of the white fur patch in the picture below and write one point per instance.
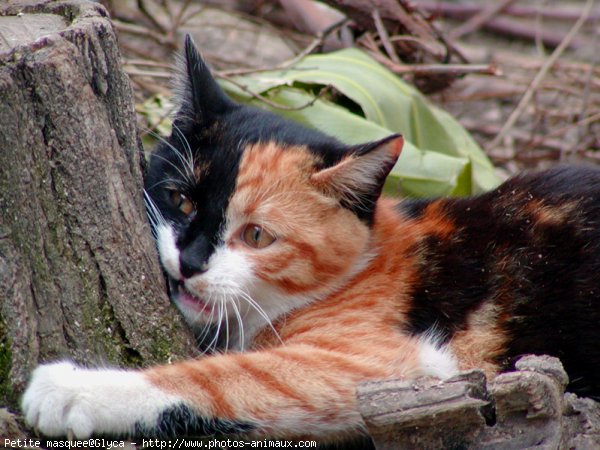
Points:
(239, 304)
(63, 398)
(167, 249)
(436, 360)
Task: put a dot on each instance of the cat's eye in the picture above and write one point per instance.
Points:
(182, 203)
(256, 236)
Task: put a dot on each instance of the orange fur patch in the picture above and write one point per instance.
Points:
(274, 188)
(543, 214)
(353, 334)
(482, 342)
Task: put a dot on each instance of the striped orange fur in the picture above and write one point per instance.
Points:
(300, 378)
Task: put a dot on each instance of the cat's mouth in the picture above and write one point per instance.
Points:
(183, 297)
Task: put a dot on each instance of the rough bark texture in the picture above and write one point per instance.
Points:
(522, 409)
(79, 276)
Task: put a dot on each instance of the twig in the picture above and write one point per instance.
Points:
(147, 63)
(505, 26)
(588, 83)
(385, 38)
(480, 19)
(148, 73)
(153, 88)
(271, 103)
(519, 135)
(448, 44)
(165, 7)
(463, 10)
(141, 4)
(540, 76)
(142, 31)
(582, 122)
(177, 21)
(511, 27)
(539, 30)
(435, 69)
(422, 43)
(316, 43)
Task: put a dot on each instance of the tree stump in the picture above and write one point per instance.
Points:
(79, 274)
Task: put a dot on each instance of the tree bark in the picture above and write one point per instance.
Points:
(79, 274)
(425, 413)
(526, 408)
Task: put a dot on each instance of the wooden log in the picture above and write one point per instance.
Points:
(426, 413)
(79, 274)
(529, 406)
(526, 408)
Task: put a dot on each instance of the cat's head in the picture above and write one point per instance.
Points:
(255, 215)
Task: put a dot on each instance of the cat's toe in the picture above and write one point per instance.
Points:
(63, 398)
(53, 403)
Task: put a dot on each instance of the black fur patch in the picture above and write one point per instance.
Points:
(532, 249)
(413, 209)
(212, 132)
(180, 421)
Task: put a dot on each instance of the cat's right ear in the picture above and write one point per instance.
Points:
(357, 180)
(198, 95)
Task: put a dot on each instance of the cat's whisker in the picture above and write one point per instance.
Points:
(188, 164)
(167, 143)
(168, 181)
(207, 327)
(226, 326)
(261, 312)
(212, 345)
(215, 341)
(235, 306)
(187, 179)
(233, 299)
(188, 148)
(154, 215)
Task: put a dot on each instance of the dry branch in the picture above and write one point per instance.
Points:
(541, 74)
(507, 26)
(522, 409)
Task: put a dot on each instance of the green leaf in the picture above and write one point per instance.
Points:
(440, 157)
(155, 111)
(418, 173)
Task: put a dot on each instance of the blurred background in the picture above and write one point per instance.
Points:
(481, 89)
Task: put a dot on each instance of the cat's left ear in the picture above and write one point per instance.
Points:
(357, 180)
(199, 96)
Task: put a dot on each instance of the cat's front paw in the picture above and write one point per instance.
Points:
(63, 398)
(56, 401)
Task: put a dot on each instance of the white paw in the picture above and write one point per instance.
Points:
(63, 398)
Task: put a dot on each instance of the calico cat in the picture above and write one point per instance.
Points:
(303, 282)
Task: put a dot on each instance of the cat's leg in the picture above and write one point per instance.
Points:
(285, 392)
(63, 397)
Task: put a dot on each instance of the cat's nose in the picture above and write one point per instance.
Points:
(190, 264)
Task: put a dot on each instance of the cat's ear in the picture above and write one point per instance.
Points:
(357, 180)
(199, 97)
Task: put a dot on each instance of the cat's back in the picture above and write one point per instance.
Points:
(574, 184)
(518, 273)
(560, 183)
